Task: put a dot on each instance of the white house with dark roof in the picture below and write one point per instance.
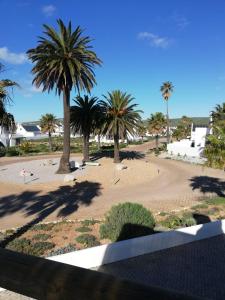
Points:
(28, 130)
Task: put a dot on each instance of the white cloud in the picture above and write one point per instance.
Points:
(12, 58)
(48, 10)
(155, 40)
(181, 21)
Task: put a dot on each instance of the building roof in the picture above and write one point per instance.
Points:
(31, 128)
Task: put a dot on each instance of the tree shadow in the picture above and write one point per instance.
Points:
(65, 200)
(208, 184)
(130, 155)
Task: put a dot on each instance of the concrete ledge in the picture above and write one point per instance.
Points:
(100, 255)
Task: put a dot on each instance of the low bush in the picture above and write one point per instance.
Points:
(199, 206)
(216, 201)
(172, 221)
(24, 245)
(41, 237)
(127, 220)
(40, 248)
(44, 227)
(83, 229)
(2, 151)
(188, 220)
(89, 222)
(12, 151)
(63, 250)
(87, 240)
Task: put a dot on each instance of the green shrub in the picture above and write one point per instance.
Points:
(162, 214)
(172, 221)
(216, 201)
(88, 240)
(63, 250)
(89, 222)
(44, 227)
(2, 151)
(188, 220)
(83, 229)
(127, 220)
(199, 206)
(24, 245)
(40, 248)
(41, 237)
(12, 151)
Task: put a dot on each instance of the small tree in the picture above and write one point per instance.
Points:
(84, 119)
(121, 117)
(48, 124)
(156, 125)
(183, 129)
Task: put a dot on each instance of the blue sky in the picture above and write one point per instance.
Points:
(141, 43)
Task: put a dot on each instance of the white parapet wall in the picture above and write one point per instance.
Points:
(109, 253)
(105, 254)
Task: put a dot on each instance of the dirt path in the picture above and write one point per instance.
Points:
(174, 185)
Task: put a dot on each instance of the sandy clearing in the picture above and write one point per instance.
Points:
(158, 184)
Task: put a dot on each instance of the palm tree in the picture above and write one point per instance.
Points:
(64, 60)
(156, 125)
(121, 117)
(183, 129)
(48, 124)
(142, 130)
(8, 122)
(84, 117)
(166, 90)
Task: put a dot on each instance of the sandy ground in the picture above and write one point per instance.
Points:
(159, 184)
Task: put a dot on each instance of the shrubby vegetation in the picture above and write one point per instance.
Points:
(127, 220)
(88, 240)
(215, 148)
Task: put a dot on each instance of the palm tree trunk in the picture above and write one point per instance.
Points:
(168, 123)
(86, 148)
(116, 147)
(64, 165)
(99, 142)
(50, 141)
(157, 142)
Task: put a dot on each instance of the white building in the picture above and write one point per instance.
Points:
(192, 147)
(28, 131)
(8, 139)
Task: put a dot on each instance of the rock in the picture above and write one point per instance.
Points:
(120, 167)
(69, 178)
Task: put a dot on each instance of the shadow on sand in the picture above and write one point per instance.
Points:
(65, 200)
(206, 184)
(130, 155)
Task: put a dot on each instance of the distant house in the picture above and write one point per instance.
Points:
(192, 147)
(28, 131)
(9, 139)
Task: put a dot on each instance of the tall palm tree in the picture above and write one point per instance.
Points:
(8, 122)
(48, 124)
(84, 117)
(63, 60)
(166, 90)
(121, 117)
(156, 125)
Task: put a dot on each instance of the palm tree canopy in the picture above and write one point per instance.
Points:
(63, 59)
(121, 116)
(85, 114)
(166, 89)
(8, 122)
(48, 123)
(157, 123)
(219, 113)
